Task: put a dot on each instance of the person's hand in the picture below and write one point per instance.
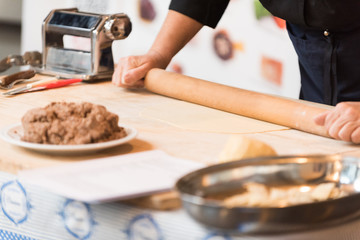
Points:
(343, 122)
(130, 71)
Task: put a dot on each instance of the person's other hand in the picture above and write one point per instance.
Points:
(343, 122)
(130, 71)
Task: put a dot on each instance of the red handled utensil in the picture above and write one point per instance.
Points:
(42, 84)
(56, 84)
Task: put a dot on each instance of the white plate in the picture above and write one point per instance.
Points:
(12, 134)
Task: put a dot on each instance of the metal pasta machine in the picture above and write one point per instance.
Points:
(79, 44)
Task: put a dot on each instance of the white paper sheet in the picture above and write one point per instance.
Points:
(112, 178)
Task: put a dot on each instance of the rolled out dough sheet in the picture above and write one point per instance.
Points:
(195, 117)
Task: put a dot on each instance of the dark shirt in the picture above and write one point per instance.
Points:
(206, 12)
(334, 15)
(328, 60)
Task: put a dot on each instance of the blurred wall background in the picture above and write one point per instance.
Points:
(10, 28)
(249, 48)
(10, 11)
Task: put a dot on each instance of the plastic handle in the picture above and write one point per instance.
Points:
(41, 82)
(61, 83)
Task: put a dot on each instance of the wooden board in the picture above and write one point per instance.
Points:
(128, 104)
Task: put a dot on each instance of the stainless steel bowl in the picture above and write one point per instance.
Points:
(202, 193)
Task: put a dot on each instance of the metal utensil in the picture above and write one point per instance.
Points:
(202, 193)
(29, 58)
(11, 85)
(42, 85)
(31, 85)
(9, 81)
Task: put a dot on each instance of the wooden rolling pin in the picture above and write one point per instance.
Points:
(286, 112)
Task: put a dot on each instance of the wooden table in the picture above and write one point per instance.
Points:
(128, 104)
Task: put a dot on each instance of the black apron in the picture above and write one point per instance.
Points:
(329, 64)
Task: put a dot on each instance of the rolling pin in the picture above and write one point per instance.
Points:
(274, 109)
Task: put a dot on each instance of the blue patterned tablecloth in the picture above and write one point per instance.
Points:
(29, 213)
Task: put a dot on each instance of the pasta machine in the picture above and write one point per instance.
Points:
(79, 44)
